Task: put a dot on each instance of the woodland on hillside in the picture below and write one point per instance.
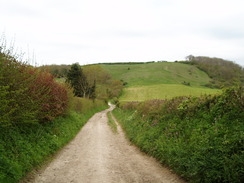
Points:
(223, 73)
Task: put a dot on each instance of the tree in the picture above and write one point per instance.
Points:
(78, 81)
(190, 58)
(96, 73)
(92, 91)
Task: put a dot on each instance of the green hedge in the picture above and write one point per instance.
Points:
(199, 138)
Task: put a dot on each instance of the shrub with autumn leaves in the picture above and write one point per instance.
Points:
(28, 95)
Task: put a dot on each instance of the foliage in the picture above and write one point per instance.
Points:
(13, 86)
(107, 87)
(224, 73)
(96, 73)
(78, 81)
(28, 95)
(50, 97)
(59, 71)
(201, 138)
(114, 89)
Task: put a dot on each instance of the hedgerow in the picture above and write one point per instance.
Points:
(50, 97)
(27, 94)
(201, 138)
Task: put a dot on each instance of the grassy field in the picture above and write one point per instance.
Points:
(163, 91)
(159, 80)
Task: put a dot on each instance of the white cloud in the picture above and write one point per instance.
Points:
(91, 31)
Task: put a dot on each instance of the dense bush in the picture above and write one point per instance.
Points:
(17, 106)
(59, 71)
(200, 138)
(27, 94)
(50, 96)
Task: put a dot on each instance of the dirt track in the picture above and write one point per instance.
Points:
(97, 155)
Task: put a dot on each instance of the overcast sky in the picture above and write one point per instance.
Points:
(93, 31)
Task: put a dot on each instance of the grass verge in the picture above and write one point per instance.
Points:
(27, 146)
(111, 122)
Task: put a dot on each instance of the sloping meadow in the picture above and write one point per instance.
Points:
(200, 138)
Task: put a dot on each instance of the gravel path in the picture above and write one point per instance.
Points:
(97, 155)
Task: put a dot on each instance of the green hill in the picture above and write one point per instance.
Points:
(159, 80)
(157, 73)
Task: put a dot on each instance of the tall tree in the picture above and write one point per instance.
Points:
(78, 81)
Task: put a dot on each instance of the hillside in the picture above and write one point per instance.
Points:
(159, 80)
(157, 73)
